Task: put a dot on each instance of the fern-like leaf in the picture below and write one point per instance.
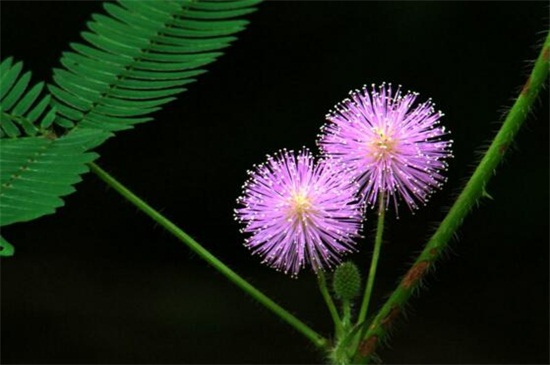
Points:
(20, 106)
(140, 56)
(6, 249)
(36, 167)
(36, 171)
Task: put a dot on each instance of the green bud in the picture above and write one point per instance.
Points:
(346, 281)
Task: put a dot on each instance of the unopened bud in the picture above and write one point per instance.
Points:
(347, 281)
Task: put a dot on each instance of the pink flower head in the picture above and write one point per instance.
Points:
(392, 144)
(300, 212)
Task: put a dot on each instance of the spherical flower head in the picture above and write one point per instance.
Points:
(300, 212)
(394, 145)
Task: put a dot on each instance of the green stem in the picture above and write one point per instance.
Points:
(474, 190)
(346, 314)
(330, 303)
(374, 260)
(301, 327)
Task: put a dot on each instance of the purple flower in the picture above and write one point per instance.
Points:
(300, 212)
(393, 145)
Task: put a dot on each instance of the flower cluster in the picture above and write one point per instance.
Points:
(298, 211)
(394, 148)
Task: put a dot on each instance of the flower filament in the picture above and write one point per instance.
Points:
(300, 206)
(382, 146)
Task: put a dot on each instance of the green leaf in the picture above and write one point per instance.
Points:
(95, 120)
(35, 172)
(35, 113)
(227, 5)
(138, 56)
(49, 118)
(26, 102)
(193, 14)
(6, 249)
(8, 126)
(19, 109)
(4, 67)
(14, 94)
(9, 76)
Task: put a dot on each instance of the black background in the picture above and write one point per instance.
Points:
(98, 282)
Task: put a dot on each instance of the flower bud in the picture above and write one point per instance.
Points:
(346, 282)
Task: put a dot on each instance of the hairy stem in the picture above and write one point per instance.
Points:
(330, 303)
(301, 327)
(474, 190)
(374, 260)
(346, 314)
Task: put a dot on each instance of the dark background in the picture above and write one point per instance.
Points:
(98, 282)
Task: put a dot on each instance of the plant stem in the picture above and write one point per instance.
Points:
(346, 313)
(301, 327)
(474, 190)
(374, 260)
(330, 303)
